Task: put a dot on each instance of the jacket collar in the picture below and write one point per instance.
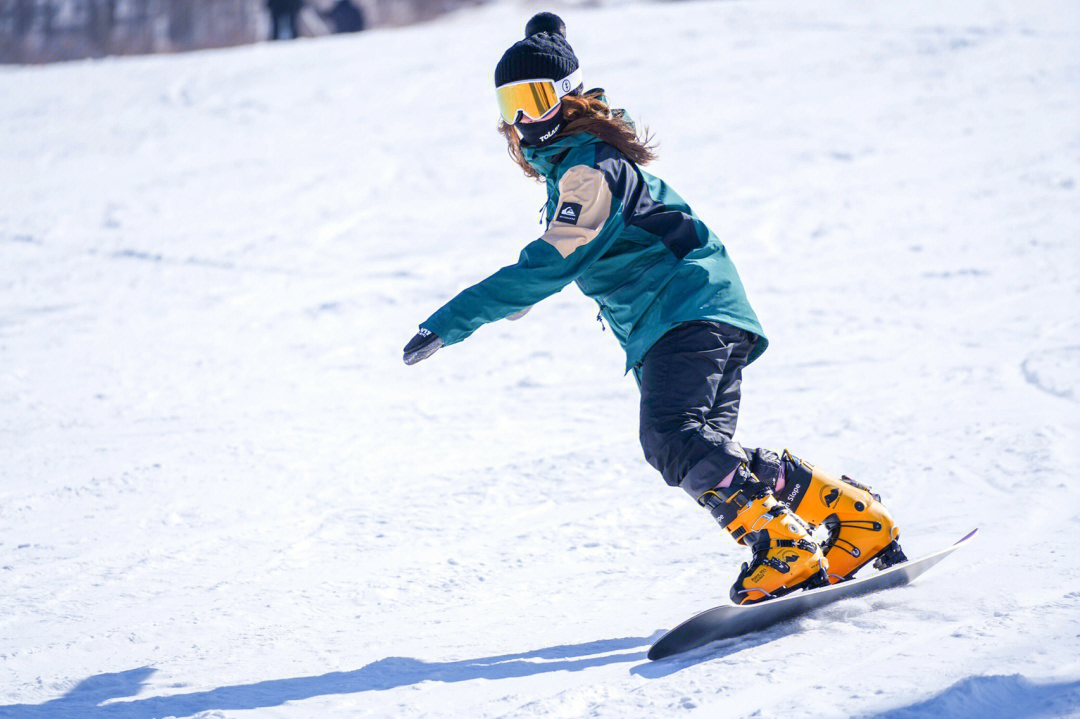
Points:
(546, 159)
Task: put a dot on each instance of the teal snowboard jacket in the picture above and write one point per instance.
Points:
(628, 241)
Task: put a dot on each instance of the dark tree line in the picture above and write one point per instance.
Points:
(48, 30)
(35, 31)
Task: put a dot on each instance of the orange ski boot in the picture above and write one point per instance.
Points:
(860, 528)
(785, 557)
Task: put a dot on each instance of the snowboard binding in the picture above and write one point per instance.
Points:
(890, 557)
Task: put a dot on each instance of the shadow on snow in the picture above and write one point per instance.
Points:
(1007, 697)
(999, 696)
(85, 700)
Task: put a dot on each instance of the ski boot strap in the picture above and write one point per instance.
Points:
(725, 503)
(804, 544)
(762, 557)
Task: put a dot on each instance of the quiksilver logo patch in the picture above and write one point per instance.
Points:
(569, 213)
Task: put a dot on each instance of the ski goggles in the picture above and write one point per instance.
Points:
(534, 98)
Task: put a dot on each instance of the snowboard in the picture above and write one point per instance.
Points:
(730, 620)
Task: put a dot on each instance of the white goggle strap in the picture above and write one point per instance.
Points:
(568, 84)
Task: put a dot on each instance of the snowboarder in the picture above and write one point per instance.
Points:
(671, 295)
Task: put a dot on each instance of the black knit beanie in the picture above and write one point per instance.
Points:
(543, 54)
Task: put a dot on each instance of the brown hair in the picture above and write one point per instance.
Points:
(589, 113)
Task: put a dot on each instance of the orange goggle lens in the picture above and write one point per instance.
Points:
(533, 98)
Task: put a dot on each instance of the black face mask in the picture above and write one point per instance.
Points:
(538, 134)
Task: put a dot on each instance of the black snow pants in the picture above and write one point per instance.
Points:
(690, 389)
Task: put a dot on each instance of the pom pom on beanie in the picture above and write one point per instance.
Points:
(543, 54)
(547, 22)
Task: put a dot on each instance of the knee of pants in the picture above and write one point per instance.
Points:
(662, 447)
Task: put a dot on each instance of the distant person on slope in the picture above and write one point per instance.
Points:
(669, 291)
(284, 19)
(344, 17)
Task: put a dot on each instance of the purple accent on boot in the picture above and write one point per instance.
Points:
(779, 480)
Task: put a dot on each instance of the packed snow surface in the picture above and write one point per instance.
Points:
(222, 494)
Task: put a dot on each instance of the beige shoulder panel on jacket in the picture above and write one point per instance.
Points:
(584, 206)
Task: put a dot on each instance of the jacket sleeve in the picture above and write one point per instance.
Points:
(587, 221)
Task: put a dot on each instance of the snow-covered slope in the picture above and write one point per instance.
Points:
(223, 494)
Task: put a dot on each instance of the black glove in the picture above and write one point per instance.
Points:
(422, 346)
